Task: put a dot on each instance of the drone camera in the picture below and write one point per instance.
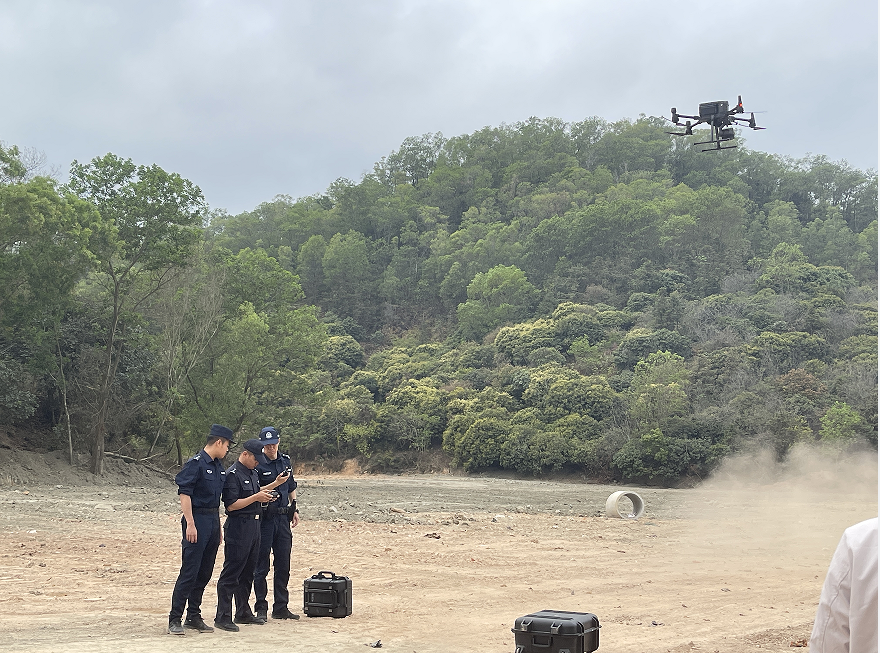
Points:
(727, 133)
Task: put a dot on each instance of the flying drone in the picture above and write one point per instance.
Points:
(720, 118)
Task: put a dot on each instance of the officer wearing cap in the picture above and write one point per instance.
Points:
(199, 484)
(242, 497)
(278, 519)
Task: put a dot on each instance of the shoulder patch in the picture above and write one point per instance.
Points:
(284, 455)
(231, 471)
(198, 456)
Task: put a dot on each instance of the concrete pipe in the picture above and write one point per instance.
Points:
(612, 506)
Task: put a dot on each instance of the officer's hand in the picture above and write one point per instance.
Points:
(263, 496)
(295, 520)
(192, 535)
(282, 477)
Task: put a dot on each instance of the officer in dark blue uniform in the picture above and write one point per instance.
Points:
(199, 484)
(242, 497)
(279, 518)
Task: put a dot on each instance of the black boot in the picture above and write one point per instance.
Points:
(197, 623)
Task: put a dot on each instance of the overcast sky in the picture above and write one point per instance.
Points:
(250, 99)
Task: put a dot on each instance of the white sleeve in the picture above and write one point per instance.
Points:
(846, 621)
(831, 627)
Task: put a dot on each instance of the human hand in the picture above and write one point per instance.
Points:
(265, 496)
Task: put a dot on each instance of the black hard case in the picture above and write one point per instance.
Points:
(327, 595)
(557, 631)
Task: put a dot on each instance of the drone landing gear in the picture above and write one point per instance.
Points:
(717, 145)
(713, 149)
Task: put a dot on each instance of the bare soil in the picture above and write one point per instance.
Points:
(440, 562)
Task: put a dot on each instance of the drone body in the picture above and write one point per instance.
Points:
(720, 118)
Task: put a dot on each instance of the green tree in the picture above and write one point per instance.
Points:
(639, 343)
(501, 295)
(157, 218)
(44, 251)
(520, 340)
(344, 349)
(842, 424)
(659, 389)
(783, 225)
(256, 368)
(350, 278)
(590, 396)
(786, 269)
(310, 267)
(785, 351)
(187, 318)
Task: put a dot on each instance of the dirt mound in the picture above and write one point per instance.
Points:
(25, 468)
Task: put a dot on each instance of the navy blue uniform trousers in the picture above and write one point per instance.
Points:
(275, 535)
(241, 549)
(196, 566)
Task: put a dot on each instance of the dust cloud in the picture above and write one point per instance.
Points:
(780, 515)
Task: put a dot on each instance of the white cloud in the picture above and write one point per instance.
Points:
(258, 98)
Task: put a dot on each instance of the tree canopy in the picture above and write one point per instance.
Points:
(537, 296)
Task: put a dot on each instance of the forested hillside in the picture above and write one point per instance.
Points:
(535, 297)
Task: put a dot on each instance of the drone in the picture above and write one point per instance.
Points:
(722, 120)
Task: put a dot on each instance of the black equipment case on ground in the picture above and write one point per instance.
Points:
(557, 631)
(327, 595)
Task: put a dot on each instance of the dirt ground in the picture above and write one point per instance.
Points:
(439, 562)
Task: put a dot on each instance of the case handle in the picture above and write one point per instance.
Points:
(537, 644)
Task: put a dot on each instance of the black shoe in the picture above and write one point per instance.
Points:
(284, 614)
(174, 628)
(250, 619)
(226, 625)
(261, 614)
(198, 624)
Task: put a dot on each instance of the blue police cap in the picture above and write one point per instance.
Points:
(220, 431)
(269, 435)
(256, 448)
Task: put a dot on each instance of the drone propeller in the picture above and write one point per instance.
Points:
(752, 123)
(688, 129)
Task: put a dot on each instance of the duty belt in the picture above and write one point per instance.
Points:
(206, 511)
(276, 510)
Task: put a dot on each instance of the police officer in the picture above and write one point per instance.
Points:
(199, 484)
(279, 518)
(242, 497)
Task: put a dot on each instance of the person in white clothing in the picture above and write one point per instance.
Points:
(846, 621)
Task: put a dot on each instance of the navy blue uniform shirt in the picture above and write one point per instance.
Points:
(270, 472)
(202, 478)
(241, 482)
